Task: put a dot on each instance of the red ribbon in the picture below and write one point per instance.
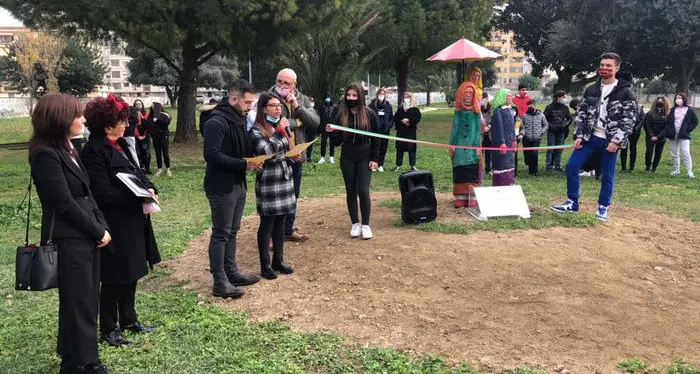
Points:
(119, 105)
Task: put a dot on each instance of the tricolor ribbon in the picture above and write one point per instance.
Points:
(431, 144)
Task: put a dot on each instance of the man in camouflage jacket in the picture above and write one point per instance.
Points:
(604, 120)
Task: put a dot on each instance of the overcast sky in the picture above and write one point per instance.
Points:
(6, 19)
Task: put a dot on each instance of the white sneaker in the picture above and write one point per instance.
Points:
(381, 169)
(168, 172)
(356, 230)
(691, 175)
(159, 172)
(322, 160)
(366, 232)
(584, 174)
(675, 173)
(413, 168)
(332, 160)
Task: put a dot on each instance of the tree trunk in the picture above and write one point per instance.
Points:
(427, 96)
(172, 95)
(685, 70)
(185, 131)
(564, 81)
(403, 67)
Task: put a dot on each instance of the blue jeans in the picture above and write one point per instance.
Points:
(554, 156)
(297, 171)
(607, 166)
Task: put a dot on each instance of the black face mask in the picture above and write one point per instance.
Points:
(352, 103)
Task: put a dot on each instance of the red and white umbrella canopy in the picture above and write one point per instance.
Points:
(464, 50)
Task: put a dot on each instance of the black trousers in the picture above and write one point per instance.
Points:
(531, 157)
(310, 136)
(632, 148)
(354, 163)
(271, 227)
(411, 157)
(654, 151)
(486, 142)
(383, 146)
(162, 148)
(78, 300)
(226, 214)
(325, 141)
(143, 150)
(117, 304)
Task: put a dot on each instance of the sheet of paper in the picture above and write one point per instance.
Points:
(258, 159)
(299, 148)
(136, 186)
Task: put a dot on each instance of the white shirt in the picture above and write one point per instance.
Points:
(600, 127)
(678, 117)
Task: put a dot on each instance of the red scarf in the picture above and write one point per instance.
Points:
(113, 144)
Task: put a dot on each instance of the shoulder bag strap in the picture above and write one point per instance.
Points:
(28, 196)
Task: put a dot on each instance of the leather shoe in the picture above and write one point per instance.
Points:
(137, 327)
(282, 268)
(296, 237)
(268, 273)
(94, 368)
(115, 338)
(240, 279)
(227, 290)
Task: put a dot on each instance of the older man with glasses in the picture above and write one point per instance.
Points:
(303, 119)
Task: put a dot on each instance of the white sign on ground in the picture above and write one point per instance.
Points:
(504, 201)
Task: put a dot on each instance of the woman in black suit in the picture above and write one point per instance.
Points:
(80, 229)
(133, 250)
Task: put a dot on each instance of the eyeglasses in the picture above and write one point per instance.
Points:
(274, 105)
(284, 83)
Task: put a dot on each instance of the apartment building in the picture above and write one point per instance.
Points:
(514, 62)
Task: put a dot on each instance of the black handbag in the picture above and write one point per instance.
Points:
(36, 267)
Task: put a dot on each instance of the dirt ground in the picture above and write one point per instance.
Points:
(580, 299)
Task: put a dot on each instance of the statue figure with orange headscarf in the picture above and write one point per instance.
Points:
(466, 131)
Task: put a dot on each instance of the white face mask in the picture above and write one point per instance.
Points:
(679, 102)
(380, 97)
(406, 102)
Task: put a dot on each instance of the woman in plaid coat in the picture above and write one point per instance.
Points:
(274, 184)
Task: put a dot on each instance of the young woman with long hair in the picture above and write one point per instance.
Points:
(274, 183)
(654, 124)
(159, 122)
(681, 121)
(359, 156)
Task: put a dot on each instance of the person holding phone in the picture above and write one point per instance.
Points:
(359, 156)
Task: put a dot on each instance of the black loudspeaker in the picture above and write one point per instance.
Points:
(418, 203)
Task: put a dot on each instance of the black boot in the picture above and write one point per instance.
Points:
(239, 279)
(224, 288)
(278, 263)
(265, 269)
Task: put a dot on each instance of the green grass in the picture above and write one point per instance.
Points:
(194, 338)
(15, 130)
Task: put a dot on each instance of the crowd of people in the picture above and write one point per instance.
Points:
(104, 229)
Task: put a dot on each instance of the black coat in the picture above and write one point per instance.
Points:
(654, 124)
(385, 114)
(404, 131)
(159, 129)
(225, 145)
(64, 188)
(133, 248)
(342, 137)
(690, 122)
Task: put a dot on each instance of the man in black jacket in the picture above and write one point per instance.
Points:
(559, 118)
(225, 146)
